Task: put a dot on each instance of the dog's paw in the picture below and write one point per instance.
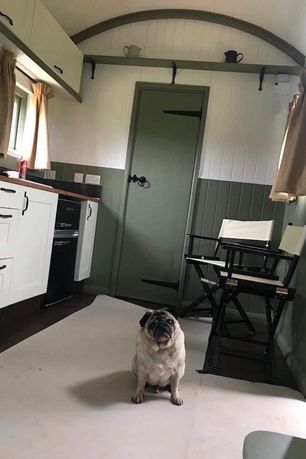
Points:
(137, 399)
(177, 401)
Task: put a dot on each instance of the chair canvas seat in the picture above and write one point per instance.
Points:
(258, 280)
(219, 263)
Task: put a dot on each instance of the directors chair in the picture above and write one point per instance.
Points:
(271, 286)
(254, 232)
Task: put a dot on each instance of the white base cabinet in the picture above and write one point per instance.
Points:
(87, 230)
(25, 243)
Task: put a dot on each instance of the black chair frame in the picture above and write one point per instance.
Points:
(232, 287)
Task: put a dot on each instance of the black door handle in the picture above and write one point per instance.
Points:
(27, 203)
(141, 180)
(2, 267)
(60, 70)
(90, 212)
(7, 190)
(6, 216)
(7, 17)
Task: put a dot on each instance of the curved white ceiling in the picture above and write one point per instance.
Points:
(286, 19)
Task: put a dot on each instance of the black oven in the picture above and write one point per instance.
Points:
(60, 282)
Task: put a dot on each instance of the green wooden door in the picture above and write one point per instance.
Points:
(164, 150)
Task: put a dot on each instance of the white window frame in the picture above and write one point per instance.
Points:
(14, 150)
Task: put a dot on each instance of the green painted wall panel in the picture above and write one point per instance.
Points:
(216, 200)
(10, 162)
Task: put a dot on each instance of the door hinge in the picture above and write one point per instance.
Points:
(190, 113)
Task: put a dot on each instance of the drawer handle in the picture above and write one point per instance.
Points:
(7, 17)
(59, 69)
(6, 216)
(2, 267)
(7, 190)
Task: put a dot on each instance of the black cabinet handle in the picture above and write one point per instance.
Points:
(2, 267)
(59, 69)
(90, 212)
(6, 216)
(7, 17)
(7, 190)
(27, 203)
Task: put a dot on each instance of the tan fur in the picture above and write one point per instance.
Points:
(159, 364)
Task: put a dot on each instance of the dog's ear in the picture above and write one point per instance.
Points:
(172, 311)
(144, 319)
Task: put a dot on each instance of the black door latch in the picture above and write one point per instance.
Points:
(141, 180)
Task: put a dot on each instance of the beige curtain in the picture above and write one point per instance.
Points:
(35, 147)
(7, 97)
(291, 177)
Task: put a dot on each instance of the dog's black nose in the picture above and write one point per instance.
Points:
(162, 332)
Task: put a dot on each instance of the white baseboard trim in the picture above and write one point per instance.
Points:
(96, 289)
(292, 363)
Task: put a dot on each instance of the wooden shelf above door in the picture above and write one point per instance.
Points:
(193, 65)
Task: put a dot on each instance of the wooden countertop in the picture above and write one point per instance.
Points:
(41, 186)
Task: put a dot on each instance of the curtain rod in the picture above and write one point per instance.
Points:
(25, 74)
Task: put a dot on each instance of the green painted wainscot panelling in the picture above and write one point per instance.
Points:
(111, 180)
(10, 162)
(216, 200)
(291, 334)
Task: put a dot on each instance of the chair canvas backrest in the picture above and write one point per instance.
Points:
(293, 239)
(259, 230)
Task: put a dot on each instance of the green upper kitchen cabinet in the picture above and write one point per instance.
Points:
(53, 46)
(17, 16)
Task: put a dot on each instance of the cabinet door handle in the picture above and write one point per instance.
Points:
(7, 190)
(59, 69)
(2, 267)
(27, 203)
(7, 17)
(90, 212)
(6, 216)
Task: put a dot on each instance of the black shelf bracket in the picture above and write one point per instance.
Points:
(261, 78)
(174, 70)
(93, 69)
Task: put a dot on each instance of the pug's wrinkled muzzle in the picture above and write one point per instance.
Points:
(162, 333)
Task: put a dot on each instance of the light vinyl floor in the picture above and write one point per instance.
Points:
(65, 393)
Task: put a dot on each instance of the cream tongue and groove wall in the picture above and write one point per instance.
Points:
(244, 127)
(285, 18)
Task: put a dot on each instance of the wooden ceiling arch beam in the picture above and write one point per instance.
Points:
(196, 15)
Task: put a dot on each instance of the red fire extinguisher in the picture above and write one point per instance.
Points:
(22, 168)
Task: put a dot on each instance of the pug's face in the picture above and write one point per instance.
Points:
(160, 326)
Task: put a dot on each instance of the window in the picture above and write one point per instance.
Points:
(19, 112)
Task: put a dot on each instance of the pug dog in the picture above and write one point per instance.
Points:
(160, 354)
